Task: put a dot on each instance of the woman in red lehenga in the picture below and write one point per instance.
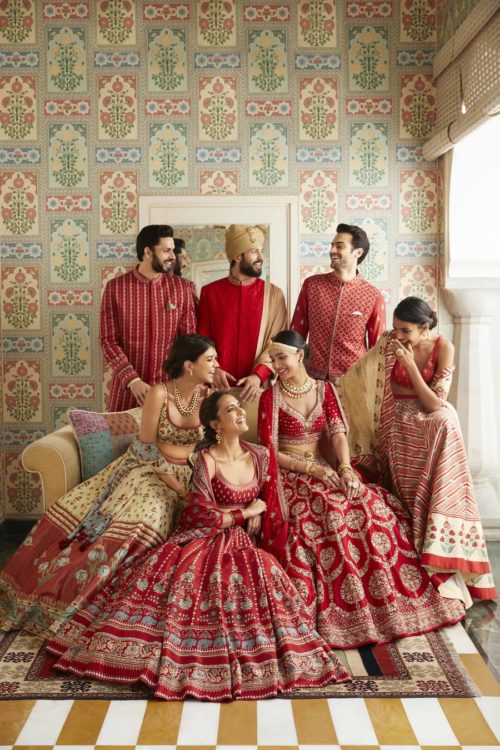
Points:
(207, 614)
(120, 513)
(413, 436)
(350, 552)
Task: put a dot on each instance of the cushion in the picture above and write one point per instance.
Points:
(102, 437)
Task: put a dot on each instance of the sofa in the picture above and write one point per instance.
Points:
(57, 457)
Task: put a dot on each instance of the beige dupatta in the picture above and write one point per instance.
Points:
(274, 319)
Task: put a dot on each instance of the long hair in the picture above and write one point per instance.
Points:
(189, 346)
(209, 410)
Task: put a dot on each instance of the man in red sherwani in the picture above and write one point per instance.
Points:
(142, 313)
(241, 312)
(342, 313)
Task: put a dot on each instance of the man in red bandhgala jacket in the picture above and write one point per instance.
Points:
(241, 312)
(342, 313)
(142, 313)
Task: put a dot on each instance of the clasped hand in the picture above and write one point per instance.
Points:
(254, 515)
(250, 385)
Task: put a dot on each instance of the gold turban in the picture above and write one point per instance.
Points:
(241, 238)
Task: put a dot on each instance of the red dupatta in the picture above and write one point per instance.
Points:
(203, 516)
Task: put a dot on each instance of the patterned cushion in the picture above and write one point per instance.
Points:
(102, 437)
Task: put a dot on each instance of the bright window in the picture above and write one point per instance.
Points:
(474, 204)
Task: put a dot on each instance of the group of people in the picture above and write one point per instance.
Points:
(207, 566)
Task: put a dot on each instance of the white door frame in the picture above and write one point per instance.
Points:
(278, 212)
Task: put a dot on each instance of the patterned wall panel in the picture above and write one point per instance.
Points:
(104, 101)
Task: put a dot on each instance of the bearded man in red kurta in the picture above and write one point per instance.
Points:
(142, 313)
(342, 313)
(241, 312)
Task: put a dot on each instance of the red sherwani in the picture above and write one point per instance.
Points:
(231, 314)
(140, 319)
(343, 320)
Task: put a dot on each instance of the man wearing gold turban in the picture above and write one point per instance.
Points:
(241, 312)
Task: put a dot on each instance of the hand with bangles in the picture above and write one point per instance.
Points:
(349, 481)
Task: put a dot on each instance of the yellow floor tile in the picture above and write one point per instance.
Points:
(467, 721)
(238, 723)
(313, 722)
(160, 725)
(193, 747)
(83, 723)
(13, 715)
(479, 672)
(390, 722)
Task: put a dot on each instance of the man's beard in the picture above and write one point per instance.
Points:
(158, 266)
(249, 270)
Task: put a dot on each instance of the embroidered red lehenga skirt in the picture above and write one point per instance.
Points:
(214, 618)
(356, 567)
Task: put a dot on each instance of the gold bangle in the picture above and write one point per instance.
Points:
(293, 464)
(307, 469)
(344, 467)
(233, 519)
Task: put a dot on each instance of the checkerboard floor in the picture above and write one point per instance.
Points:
(343, 723)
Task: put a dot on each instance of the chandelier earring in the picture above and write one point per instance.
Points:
(218, 436)
(425, 333)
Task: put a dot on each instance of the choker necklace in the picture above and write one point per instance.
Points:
(186, 411)
(297, 391)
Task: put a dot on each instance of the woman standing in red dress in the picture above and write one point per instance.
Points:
(349, 552)
(207, 614)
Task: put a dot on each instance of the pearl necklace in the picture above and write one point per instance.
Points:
(297, 391)
(186, 411)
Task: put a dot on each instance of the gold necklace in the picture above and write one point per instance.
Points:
(297, 391)
(186, 411)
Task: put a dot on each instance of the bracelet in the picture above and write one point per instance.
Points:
(344, 467)
(307, 469)
(238, 517)
(293, 464)
(233, 519)
(182, 495)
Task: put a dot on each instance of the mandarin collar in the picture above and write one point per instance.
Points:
(244, 282)
(144, 280)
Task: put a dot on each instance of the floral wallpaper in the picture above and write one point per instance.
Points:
(106, 100)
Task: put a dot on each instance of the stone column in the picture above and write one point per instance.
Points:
(476, 391)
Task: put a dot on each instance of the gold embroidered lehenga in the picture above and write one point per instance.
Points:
(80, 542)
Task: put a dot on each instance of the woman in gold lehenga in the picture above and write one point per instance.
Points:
(117, 515)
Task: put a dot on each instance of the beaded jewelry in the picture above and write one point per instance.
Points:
(186, 411)
(297, 391)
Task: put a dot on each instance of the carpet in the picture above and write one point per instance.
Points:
(425, 665)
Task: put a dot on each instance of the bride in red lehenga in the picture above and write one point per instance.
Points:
(350, 552)
(207, 614)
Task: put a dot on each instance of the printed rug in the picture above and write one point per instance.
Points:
(425, 665)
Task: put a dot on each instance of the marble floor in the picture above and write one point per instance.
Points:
(341, 723)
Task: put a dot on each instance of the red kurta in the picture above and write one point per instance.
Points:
(140, 318)
(343, 320)
(230, 313)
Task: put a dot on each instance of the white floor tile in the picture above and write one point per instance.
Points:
(122, 723)
(460, 639)
(44, 724)
(429, 722)
(490, 708)
(352, 721)
(275, 723)
(199, 723)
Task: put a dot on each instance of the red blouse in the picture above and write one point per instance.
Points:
(399, 374)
